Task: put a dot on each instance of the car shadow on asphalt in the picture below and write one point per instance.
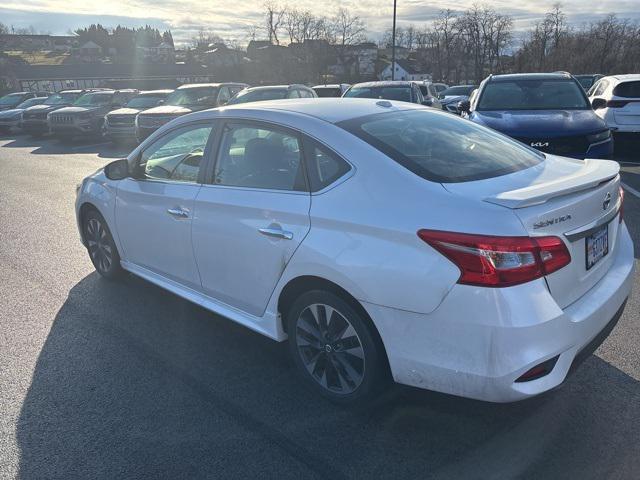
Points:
(133, 382)
(48, 145)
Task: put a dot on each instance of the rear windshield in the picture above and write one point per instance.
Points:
(442, 147)
(328, 91)
(547, 94)
(586, 82)
(388, 93)
(627, 90)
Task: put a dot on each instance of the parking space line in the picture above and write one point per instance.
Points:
(631, 190)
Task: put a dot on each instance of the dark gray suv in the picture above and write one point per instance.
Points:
(86, 115)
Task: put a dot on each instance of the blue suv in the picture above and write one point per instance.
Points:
(547, 111)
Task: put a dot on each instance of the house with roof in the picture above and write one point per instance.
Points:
(404, 70)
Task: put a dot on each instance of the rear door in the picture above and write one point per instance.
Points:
(252, 215)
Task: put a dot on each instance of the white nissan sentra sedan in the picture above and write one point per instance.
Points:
(382, 239)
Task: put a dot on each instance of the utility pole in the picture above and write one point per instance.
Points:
(393, 44)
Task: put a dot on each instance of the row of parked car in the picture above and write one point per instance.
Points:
(557, 113)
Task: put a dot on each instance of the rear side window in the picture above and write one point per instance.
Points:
(388, 93)
(627, 90)
(324, 166)
(441, 147)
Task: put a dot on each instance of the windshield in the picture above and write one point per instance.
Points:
(144, 101)
(93, 99)
(388, 93)
(61, 98)
(324, 92)
(442, 147)
(463, 90)
(259, 95)
(11, 99)
(31, 102)
(546, 94)
(193, 96)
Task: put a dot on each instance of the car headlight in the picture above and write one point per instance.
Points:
(599, 137)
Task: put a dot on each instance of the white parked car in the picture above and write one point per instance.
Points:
(377, 237)
(616, 99)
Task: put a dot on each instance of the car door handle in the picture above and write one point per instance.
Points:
(276, 232)
(178, 212)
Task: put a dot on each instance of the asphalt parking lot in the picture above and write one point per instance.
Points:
(107, 380)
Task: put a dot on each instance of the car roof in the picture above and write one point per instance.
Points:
(330, 110)
(626, 77)
(71, 91)
(529, 76)
(385, 83)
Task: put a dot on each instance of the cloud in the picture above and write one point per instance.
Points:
(230, 20)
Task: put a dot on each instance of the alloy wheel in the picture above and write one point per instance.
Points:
(330, 348)
(98, 245)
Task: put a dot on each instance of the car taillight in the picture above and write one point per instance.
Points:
(621, 205)
(616, 103)
(491, 261)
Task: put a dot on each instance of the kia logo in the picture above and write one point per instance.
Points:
(539, 144)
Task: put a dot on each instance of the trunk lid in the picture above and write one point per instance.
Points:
(572, 199)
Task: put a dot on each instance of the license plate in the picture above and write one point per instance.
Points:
(596, 246)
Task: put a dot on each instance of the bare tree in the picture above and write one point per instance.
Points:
(274, 16)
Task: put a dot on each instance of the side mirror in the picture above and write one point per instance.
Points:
(117, 170)
(598, 103)
(427, 102)
(464, 106)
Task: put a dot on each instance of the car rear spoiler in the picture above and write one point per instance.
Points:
(592, 174)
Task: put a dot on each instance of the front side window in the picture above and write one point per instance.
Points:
(442, 148)
(533, 94)
(457, 91)
(259, 157)
(176, 156)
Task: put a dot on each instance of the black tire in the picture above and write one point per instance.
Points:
(101, 248)
(336, 363)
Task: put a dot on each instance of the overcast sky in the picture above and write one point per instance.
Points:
(230, 19)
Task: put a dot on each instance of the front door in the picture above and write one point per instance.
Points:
(154, 210)
(252, 217)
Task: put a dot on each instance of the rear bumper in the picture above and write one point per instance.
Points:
(480, 340)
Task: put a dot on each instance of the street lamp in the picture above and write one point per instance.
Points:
(393, 44)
